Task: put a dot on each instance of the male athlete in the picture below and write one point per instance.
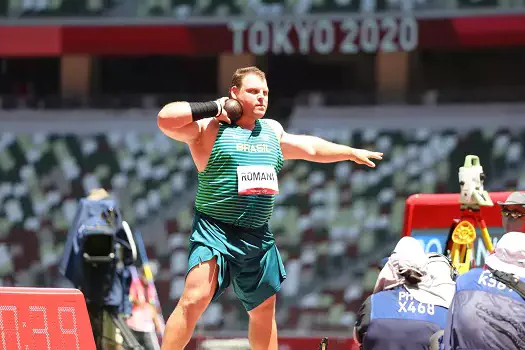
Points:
(237, 168)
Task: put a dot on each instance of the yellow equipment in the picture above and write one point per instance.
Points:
(473, 196)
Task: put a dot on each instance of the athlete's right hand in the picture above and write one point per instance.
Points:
(223, 117)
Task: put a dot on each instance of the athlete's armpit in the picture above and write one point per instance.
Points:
(292, 146)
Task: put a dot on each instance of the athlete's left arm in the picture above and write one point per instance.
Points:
(316, 149)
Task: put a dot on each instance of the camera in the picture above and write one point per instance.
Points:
(97, 259)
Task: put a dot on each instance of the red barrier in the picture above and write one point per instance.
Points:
(435, 211)
(44, 318)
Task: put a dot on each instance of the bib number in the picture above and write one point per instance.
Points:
(257, 179)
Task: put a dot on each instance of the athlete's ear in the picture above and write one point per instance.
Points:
(234, 90)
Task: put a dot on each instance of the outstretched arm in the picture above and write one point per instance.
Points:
(316, 149)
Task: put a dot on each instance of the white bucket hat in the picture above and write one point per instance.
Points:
(509, 254)
(407, 255)
(437, 286)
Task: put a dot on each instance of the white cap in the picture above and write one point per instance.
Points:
(509, 254)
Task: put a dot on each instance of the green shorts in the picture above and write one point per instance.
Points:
(248, 258)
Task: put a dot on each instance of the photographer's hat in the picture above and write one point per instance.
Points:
(515, 198)
(509, 254)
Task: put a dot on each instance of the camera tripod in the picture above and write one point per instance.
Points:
(110, 330)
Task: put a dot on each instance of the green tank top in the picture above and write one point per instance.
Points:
(240, 161)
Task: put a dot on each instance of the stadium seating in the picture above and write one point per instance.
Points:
(185, 8)
(328, 221)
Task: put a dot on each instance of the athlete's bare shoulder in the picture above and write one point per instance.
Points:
(276, 126)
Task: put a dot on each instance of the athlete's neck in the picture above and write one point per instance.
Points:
(246, 123)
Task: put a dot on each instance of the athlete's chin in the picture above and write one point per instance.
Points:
(259, 113)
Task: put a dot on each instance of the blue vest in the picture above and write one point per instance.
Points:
(398, 321)
(485, 314)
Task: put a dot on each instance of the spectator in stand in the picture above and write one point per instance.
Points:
(143, 320)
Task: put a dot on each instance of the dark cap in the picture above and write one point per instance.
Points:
(515, 198)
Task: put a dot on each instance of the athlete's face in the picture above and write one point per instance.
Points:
(253, 95)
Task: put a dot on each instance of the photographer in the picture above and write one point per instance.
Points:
(410, 300)
(488, 310)
(97, 257)
(513, 212)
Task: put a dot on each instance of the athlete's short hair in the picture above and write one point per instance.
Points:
(242, 72)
